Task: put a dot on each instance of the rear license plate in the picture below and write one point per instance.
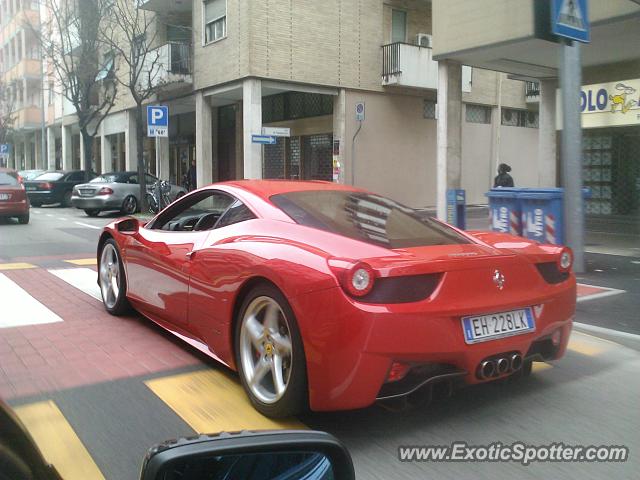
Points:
(481, 328)
(86, 193)
(5, 196)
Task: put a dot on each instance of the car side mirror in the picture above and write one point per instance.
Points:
(128, 226)
(266, 455)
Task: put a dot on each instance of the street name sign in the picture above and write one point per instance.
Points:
(157, 121)
(264, 139)
(276, 131)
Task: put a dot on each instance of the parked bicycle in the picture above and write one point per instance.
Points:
(158, 196)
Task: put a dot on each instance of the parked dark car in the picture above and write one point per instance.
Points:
(56, 186)
(13, 200)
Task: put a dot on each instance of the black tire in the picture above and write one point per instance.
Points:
(121, 305)
(12, 467)
(66, 199)
(152, 203)
(129, 205)
(23, 219)
(295, 399)
(92, 212)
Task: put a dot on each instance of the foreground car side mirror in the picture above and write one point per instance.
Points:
(266, 455)
(128, 226)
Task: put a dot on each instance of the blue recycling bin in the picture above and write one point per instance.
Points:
(505, 210)
(543, 214)
(456, 208)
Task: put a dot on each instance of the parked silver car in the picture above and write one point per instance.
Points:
(115, 191)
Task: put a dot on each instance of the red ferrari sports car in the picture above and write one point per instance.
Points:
(330, 297)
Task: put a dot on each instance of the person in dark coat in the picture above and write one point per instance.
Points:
(503, 179)
(191, 176)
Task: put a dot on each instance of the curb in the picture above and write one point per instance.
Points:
(628, 340)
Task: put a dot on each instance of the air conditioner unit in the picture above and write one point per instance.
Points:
(423, 40)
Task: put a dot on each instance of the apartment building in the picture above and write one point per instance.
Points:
(20, 70)
(233, 67)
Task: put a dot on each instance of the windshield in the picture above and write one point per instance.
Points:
(367, 217)
(50, 176)
(110, 178)
(8, 179)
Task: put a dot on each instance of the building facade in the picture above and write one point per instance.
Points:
(234, 67)
(505, 35)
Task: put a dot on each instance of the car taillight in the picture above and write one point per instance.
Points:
(565, 260)
(21, 182)
(46, 186)
(105, 191)
(359, 280)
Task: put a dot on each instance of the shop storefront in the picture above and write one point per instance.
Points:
(611, 144)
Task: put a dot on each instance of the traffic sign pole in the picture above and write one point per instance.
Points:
(571, 151)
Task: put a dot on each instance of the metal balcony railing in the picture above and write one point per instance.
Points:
(531, 89)
(391, 60)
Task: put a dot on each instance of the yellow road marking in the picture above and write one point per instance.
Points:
(586, 347)
(211, 401)
(16, 266)
(83, 261)
(57, 441)
(540, 367)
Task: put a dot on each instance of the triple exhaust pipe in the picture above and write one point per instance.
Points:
(499, 366)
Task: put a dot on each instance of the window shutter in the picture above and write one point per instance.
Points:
(214, 9)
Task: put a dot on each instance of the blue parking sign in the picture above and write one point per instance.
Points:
(5, 149)
(157, 121)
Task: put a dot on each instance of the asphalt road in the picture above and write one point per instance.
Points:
(590, 397)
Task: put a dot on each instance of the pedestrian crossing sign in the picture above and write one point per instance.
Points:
(569, 19)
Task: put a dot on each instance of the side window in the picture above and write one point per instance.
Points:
(236, 213)
(194, 213)
(133, 179)
(75, 177)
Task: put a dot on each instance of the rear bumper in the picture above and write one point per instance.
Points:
(14, 208)
(103, 202)
(350, 347)
(44, 197)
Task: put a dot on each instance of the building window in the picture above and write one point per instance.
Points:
(477, 113)
(429, 109)
(215, 20)
(50, 91)
(293, 105)
(519, 118)
(398, 26)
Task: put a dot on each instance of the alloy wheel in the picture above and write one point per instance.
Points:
(266, 349)
(130, 205)
(109, 275)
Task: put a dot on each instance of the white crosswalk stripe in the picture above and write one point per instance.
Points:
(19, 308)
(84, 279)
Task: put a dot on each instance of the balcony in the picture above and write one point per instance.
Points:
(165, 6)
(532, 92)
(27, 118)
(407, 65)
(168, 66)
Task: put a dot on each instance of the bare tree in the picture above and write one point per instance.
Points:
(7, 111)
(132, 37)
(71, 38)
